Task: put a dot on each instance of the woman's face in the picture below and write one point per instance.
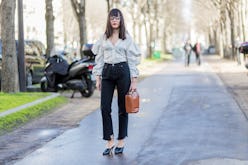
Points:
(115, 21)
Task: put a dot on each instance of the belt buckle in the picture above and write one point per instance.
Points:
(113, 64)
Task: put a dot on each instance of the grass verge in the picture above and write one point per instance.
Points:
(12, 121)
(12, 100)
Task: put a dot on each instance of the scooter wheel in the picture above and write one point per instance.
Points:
(87, 92)
(44, 86)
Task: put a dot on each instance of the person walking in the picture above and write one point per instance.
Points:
(187, 48)
(197, 50)
(237, 46)
(116, 59)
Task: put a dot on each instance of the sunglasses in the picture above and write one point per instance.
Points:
(112, 18)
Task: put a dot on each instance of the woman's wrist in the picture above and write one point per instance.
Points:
(134, 79)
(98, 77)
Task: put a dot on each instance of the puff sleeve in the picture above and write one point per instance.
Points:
(99, 59)
(133, 58)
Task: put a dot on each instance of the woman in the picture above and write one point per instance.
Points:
(187, 48)
(116, 60)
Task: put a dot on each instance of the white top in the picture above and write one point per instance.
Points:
(122, 51)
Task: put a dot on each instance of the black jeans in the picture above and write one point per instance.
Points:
(117, 75)
(198, 58)
(187, 57)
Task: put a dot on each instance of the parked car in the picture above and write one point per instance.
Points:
(211, 49)
(0, 70)
(34, 60)
(243, 48)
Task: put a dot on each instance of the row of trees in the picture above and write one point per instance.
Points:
(159, 19)
(79, 12)
(154, 22)
(224, 21)
(221, 21)
(9, 72)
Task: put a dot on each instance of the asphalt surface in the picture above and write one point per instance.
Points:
(187, 117)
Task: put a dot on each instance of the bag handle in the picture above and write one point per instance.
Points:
(133, 92)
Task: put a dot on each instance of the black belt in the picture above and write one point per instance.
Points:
(116, 64)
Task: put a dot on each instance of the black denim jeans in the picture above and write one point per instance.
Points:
(114, 75)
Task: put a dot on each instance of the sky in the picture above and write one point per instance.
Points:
(35, 25)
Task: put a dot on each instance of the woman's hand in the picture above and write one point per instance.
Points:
(98, 83)
(133, 85)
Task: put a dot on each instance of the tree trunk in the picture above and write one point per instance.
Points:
(231, 17)
(10, 81)
(147, 40)
(215, 37)
(79, 11)
(243, 20)
(108, 6)
(82, 31)
(240, 21)
(134, 31)
(225, 39)
(156, 20)
(221, 48)
(164, 44)
(151, 41)
(49, 27)
(140, 33)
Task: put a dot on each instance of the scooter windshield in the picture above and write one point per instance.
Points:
(58, 65)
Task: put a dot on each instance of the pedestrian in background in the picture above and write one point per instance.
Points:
(116, 59)
(237, 45)
(187, 48)
(197, 50)
(74, 57)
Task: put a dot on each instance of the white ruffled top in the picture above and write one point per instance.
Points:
(123, 51)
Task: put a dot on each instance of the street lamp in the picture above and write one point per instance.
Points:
(20, 55)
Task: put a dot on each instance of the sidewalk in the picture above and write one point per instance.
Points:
(235, 78)
(187, 117)
(21, 142)
(17, 144)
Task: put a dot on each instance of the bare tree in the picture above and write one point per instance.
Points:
(243, 18)
(220, 21)
(49, 27)
(79, 11)
(171, 18)
(70, 25)
(231, 9)
(10, 81)
(109, 5)
(154, 17)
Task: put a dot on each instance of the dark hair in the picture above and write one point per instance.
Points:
(109, 30)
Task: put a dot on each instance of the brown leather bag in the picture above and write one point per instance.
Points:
(132, 102)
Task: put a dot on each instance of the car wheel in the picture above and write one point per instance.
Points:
(29, 78)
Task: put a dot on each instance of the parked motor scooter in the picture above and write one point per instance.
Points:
(77, 76)
(243, 48)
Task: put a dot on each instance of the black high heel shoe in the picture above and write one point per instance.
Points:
(108, 151)
(119, 150)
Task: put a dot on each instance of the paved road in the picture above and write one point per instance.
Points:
(187, 118)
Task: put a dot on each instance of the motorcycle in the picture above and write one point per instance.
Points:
(77, 76)
(243, 48)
